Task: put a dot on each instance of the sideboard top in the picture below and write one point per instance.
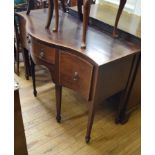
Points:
(101, 47)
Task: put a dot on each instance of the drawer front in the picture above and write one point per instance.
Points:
(43, 52)
(76, 73)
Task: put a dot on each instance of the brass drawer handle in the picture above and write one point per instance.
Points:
(75, 76)
(42, 54)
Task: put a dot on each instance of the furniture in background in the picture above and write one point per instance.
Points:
(19, 45)
(16, 49)
(106, 67)
(19, 135)
(20, 5)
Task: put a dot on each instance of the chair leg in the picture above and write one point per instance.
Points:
(16, 59)
(26, 63)
(17, 63)
(86, 12)
(30, 6)
(50, 13)
(58, 90)
(79, 8)
(120, 9)
(63, 5)
(33, 77)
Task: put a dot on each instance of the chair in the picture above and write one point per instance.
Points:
(19, 5)
(53, 5)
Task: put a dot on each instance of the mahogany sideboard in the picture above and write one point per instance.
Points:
(106, 67)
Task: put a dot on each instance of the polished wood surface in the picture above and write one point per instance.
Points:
(85, 17)
(45, 136)
(106, 48)
(106, 63)
(19, 133)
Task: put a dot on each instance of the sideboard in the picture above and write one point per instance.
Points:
(107, 66)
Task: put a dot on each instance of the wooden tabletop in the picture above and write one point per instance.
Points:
(101, 47)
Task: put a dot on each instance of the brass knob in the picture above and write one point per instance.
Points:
(75, 76)
(42, 54)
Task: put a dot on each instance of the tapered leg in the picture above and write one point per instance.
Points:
(50, 13)
(91, 114)
(16, 47)
(86, 11)
(16, 59)
(121, 116)
(120, 9)
(33, 77)
(17, 56)
(79, 7)
(58, 89)
(56, 15)
(26, 63)
(30, 6)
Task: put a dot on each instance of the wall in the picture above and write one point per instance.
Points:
(132, 6)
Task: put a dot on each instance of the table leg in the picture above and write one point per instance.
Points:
(26, 63)
(58, 90)
(122, 116)
(91, 114)
(33, 77)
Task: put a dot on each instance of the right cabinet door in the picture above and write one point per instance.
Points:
(76, 73)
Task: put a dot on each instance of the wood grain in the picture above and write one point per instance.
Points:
(45, 136)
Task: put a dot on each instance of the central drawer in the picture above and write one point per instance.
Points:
(76, 73)
(43, 52)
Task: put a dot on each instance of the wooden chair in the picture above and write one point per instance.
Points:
(16, 49)
(53, 4)
(20, 5)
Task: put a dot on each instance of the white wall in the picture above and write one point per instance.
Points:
(133, 6)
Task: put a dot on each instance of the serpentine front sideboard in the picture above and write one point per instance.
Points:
(106, 67)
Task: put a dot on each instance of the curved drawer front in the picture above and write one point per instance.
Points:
(43, 52)
(75, 73)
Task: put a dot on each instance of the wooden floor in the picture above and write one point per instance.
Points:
(45, 136)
